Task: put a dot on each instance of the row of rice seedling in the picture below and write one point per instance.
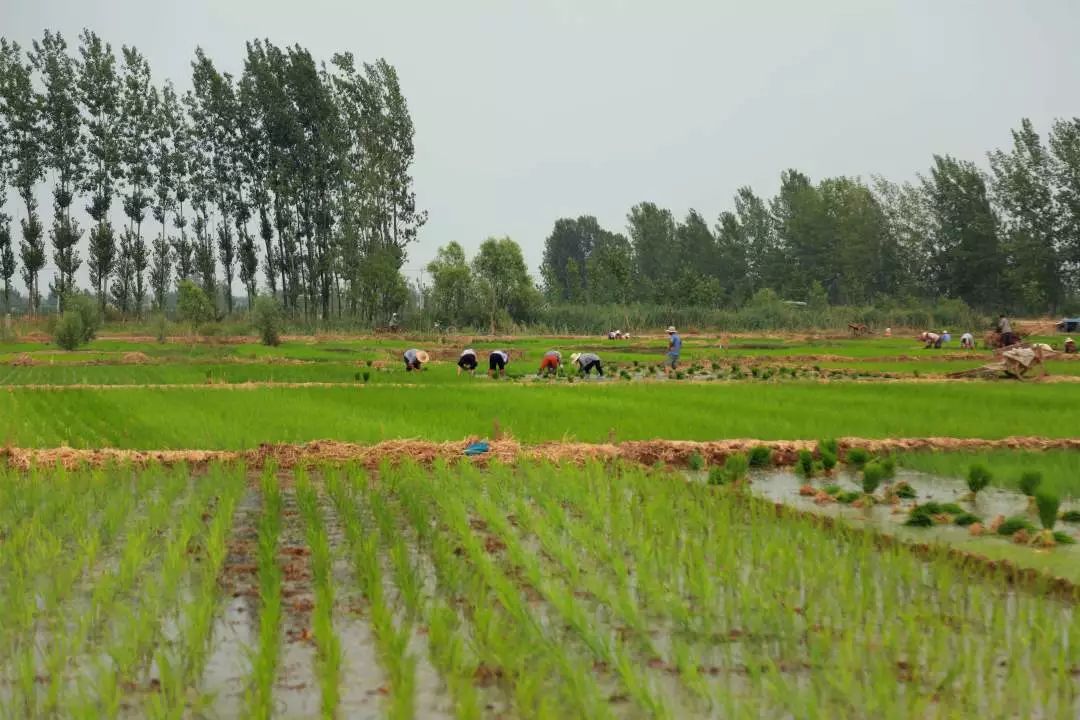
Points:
(536, 591)
(264, 656)
(742, 606)
(391, 637)
(110, 598)
(327, 642)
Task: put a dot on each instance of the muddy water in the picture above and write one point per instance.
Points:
(1062, 561)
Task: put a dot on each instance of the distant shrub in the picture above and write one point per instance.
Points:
(978, 478)
(1048, 506)
(79, 323)
(193, 305)
(69, 331)
(873, 474)
(858, 457)
(1029, 482)
(760, 456)
(268, 318)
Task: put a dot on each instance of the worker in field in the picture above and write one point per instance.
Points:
(467, 361)
(932, 340)
(497, 362)
(586, 362)
(674, 350)
(414, 359)
(1070, 346)
(1004, 328)
(967, 341)
(946, 336)
(550, 363)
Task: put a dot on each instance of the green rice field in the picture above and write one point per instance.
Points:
(450, 587)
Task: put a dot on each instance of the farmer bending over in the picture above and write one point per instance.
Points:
(497, 363)
(674, 349)
(586, 362)
(414, 359)
(967, 341)
(1070, 346)
(467, 362)
(550, 364)
(932, 340)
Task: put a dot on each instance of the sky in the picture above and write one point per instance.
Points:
(530, 111)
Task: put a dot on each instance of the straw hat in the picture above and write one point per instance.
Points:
(1068, 340)
(574, 357)
(671, 329)
(422, 356)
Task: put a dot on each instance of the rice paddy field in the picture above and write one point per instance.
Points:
(788, 527)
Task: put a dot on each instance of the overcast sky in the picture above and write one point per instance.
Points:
(530, 111)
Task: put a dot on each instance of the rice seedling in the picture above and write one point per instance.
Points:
(1071, 516)
(1015, 524)
(1029, 482)
(805, 464)
(695, 461)
(978, 477)
(760, 456)
(873, 474)
(264, 659)
(857, 457)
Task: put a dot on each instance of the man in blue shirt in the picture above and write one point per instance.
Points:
(674, 348)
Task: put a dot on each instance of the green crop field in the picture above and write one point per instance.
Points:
(541, 591)
(441, 588)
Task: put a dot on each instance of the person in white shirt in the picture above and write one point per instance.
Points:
(497, 361)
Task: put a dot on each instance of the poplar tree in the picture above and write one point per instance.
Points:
(64, 150)
(138, 116)
(22, 111)
(99, 92)
(7, 257)
(163, 163)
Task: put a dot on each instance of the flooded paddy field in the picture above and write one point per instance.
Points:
(594, 589)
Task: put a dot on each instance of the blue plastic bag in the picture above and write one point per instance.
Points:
(477, 448)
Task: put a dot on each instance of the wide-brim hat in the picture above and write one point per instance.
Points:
(422, 356)
(671, 329)
(574, 357)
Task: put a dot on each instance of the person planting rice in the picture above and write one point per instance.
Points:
(967, 341)
(467, 361)
(674, 349)
(1004, 328)
(932, 340)
(586, 362)
(1070, 346)
(497, 361)
(550, 364)
(414, 359)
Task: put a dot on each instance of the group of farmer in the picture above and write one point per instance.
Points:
(583, 362)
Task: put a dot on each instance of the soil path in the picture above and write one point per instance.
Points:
(646, 452)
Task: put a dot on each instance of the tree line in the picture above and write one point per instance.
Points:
(1006, 239)
(295, 173)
